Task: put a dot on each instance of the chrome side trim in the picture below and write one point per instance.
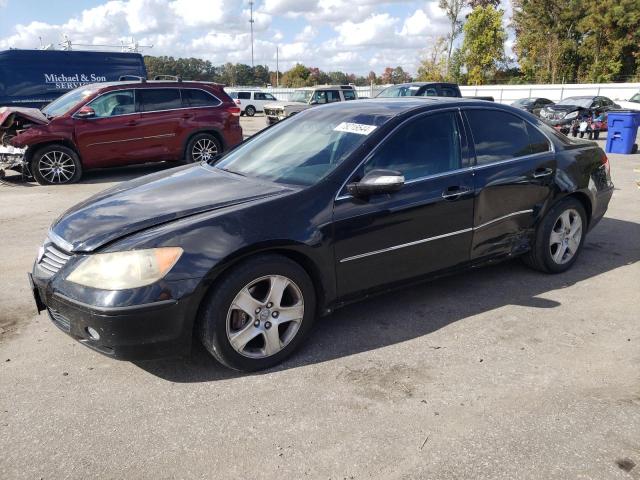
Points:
(164, 135)
(512, 214)
(410, 244)
(437, 237)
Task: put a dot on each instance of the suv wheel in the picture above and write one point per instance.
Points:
(250, 111)
(202, 148)
(258, 314)
(56, 165)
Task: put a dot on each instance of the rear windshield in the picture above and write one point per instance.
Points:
(399, 91)
(579, 101)
(304, 148)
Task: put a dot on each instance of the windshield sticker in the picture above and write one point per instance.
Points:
(358, 128)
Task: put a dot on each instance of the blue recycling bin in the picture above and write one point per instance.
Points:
(622, 129)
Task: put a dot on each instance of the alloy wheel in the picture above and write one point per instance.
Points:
(56, 167)
(566, 235)
(265, 316)
(204, 150)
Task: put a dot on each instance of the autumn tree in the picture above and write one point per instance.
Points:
(435, 66)
(483, 45)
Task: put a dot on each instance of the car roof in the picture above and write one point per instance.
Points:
(153, 83)
(421, 84)
(398, 105)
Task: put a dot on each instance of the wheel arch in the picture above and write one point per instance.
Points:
(211, 131)
(586, 202)
(33, 149)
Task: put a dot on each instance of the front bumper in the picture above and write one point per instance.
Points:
(153, 330)
(12, 158)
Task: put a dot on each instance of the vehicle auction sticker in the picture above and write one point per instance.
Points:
(359, 128)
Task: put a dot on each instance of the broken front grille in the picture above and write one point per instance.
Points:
(53, 259)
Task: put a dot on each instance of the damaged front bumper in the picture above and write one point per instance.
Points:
(13, 158)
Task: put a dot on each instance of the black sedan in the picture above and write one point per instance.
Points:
(560, 115)
(533, 104)
(322, 209)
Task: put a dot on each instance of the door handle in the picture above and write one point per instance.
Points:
(542, 172)
(453, 193)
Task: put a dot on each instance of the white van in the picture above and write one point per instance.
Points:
(251, 101)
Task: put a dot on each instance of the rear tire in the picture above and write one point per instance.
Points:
(202, 147)
(55, 165)
(258, 314)
(250, 111)
(559, 237)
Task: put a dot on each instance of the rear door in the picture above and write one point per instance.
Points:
(514, 174)
(162, 123)
(424, 227)
(110, 137)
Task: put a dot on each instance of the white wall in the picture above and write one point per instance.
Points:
(508, 93)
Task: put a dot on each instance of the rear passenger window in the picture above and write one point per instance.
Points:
(192, 97)
(333, 96)
(244, 95)
(538, 143)
(497, 135)
(154, 99)
(426, 146)
(448, 92)
(349, 94)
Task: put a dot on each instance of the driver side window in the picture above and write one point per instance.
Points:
(120, 102)
(425, 146)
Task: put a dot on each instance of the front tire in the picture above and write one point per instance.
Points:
(55, 165)
(250, 111)
(559, 237)
(202, 147)
(258, 314)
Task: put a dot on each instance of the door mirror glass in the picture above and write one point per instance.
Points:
(377, 182)
(85, 112)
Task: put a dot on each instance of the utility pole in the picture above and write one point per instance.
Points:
(277, 69)
(251, 22)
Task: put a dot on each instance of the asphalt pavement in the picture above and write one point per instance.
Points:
(498, 373)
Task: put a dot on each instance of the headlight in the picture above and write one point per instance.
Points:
(543, 113)
(122, 270)
(571, 115)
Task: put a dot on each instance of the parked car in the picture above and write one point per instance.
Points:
(304, 98)
(632, 104)
(421, 89)
(334, 204)
(562, 114)
(251, 101)
(122, 123)
(532, 104)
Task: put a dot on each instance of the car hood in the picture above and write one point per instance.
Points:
(563, 108)
(282, 104)
(8, 114)
(625, 105)
(153, 200)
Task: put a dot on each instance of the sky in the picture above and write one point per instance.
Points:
(355, 36)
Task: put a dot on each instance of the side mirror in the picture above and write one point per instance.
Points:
(85, 112)
(377, 182)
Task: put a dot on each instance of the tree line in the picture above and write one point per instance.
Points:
(556, 41)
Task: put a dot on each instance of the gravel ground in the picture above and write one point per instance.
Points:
(498, 373)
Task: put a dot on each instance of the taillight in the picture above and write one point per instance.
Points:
(234, 111)
(238, 102)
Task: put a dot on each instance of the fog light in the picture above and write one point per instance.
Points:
(93, 333)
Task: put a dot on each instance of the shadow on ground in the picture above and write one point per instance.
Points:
(420, 310)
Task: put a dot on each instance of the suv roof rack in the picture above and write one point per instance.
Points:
(175, 78)
(125, 78)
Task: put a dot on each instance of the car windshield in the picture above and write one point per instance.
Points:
(66, 102)
(635, 98)
(302, 96)
(584, 102)
(399, 91)
(302, 149)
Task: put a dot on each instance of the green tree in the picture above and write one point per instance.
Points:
(483, 44)
(452, 9)
(296, 77)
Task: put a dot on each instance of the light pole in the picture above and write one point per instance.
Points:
(277, 69)
(251, 22)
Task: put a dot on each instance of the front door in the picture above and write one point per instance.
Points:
(424, 227)
(514, 174)
(161, 123)
(110, 137)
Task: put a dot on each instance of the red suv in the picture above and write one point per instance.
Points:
(124, 123)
